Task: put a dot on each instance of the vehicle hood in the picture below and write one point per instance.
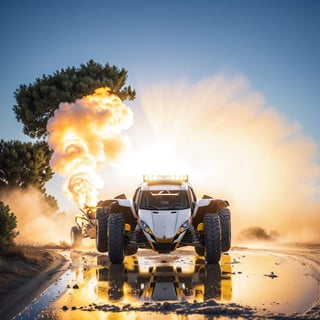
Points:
(164, 224)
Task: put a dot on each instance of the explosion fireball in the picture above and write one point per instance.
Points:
(85, 136)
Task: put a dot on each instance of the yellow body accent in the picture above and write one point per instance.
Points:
(160, 240)
(200, 226)
(127, 227)
(130, 262)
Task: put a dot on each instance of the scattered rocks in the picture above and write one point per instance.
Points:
(271, 275)
(235, 261)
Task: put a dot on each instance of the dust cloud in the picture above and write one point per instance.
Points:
(219, 131)
(36, 223)
(234, 147)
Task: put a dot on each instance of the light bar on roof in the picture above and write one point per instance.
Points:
(169, 178)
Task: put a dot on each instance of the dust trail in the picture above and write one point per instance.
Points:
(235, 147)
(85, 136)
(35, 221)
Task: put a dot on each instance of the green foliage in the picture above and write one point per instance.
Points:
(24, 164)
(37, 102)
(8, 224)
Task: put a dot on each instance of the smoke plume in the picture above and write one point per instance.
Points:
(235, 147)
(85, 136)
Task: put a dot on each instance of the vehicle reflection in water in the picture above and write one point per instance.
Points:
(108, 291)
(163, 280)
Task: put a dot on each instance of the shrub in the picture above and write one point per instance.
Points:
(8, 224)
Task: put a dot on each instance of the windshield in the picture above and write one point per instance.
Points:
(164, 200)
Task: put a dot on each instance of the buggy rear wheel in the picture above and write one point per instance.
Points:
(102, 229)
(212, 238)
(76, 236)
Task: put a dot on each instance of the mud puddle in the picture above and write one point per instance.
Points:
(245, 285)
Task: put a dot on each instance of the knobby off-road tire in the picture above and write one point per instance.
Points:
(76, 237)
(212, 238)
(102, 229)
(116, 238)
(225, 222)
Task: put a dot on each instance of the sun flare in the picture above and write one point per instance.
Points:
(158, 157)
(218, 131)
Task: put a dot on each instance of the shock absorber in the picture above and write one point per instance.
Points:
(137, 230)
(194, 237)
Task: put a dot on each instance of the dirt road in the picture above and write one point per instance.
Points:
(249, 283)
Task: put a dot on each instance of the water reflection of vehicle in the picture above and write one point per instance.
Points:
(163, 281)
(111, 281)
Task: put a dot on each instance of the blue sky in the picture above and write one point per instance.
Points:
(275, 44)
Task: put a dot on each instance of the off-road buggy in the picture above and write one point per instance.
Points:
(163, 215)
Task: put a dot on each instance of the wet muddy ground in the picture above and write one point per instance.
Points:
(281, 283)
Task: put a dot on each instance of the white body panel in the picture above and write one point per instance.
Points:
(127, 203)
(201, 203)
(164, 224)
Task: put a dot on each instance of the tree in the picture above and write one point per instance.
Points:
(24, 164)
(37, 102)
(8, 224)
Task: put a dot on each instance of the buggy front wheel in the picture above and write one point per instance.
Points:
(116, 238)
(212, 238)
(225, 222)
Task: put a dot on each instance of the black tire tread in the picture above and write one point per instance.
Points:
(116, 238)
(225, 221)
(102, 229)
(212, 238)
